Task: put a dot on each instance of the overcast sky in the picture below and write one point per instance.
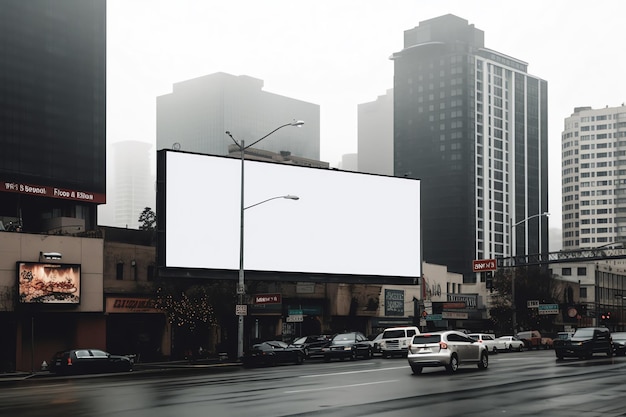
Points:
(335, 53)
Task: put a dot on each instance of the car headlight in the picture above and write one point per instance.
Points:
(347, 348)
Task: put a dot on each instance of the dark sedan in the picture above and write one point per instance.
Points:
(81, 361)
(619, 343)
(348, 346)
(312, 345)
(272, 353)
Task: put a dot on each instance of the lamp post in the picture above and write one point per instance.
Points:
(512, 243)
(241, 284)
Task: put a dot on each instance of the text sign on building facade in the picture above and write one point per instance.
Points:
(470, 300)
(482, 265)
(267, 299)
(394, 302)
(548, 309)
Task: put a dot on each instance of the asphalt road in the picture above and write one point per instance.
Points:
(515, 384)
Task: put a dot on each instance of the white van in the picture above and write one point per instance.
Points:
(396, 340)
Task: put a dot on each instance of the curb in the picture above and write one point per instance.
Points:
(152, 366)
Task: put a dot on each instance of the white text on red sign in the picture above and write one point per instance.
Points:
(484, 265)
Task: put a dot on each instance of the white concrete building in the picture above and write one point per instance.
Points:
(593, 160)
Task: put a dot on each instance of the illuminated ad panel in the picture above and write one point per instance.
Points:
(48, 283)
(342, 223)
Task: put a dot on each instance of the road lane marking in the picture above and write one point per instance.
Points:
(353, 372)
(340, 386)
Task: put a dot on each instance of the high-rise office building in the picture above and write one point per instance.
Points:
(472, 124)
(593, 163)
(134, 183)
(196, 114)
(52, 113)
(375, 135)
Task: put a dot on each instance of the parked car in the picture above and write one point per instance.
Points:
(349, 345)
(489, 340)
(619, 343)
(562, 336)
(534, 340)
(584, 343)
(272, 353)
(512, 343)
(449, 348)
(375, 342)
(312, 345)
(396, 340)
(82, 361)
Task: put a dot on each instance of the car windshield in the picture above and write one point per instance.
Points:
(344, 338)
(392, 334)
(584, 333)
(426, 338)
(300, 341)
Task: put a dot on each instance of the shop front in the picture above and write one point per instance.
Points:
(135, 327)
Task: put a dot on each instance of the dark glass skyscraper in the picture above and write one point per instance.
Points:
(52, 111)
(472, 124)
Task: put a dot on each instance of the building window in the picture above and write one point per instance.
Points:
(119, 271)
(583, 292)
(566, 271)
(582, 271)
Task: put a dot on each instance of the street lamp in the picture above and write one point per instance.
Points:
(241, 285)
(512, 243)
(287, 197)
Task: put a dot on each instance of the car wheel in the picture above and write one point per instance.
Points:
(495, 349)
(369, 354)
(453, 366)
(416, 369)
(521, 348)
(299, 359)
(511, 348)
(326, 358)
(353, 355)
(484, 361)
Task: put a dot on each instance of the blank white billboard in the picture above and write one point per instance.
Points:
(343, 223)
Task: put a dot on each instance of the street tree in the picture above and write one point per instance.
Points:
(531, 283)
(147, 219)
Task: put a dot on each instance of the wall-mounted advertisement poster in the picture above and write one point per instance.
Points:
(48, 283)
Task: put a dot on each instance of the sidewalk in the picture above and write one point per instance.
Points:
(165, 365)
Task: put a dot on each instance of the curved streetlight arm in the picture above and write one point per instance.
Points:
(243, 147)
(532, 217)
(288, 197)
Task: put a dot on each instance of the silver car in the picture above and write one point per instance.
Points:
(448, 348)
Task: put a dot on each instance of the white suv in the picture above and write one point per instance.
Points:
(396, 340)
